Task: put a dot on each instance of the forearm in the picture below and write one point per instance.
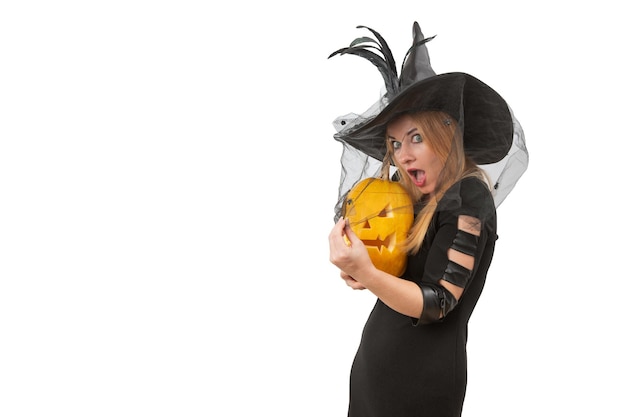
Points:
(401, 295)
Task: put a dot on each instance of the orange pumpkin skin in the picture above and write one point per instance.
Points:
(380, 212)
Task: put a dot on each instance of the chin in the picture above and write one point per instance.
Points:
(425, 190)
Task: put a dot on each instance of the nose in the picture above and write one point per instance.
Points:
(403, 155)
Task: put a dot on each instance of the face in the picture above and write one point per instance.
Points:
(413, 154)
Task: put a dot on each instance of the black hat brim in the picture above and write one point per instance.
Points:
(481, 112)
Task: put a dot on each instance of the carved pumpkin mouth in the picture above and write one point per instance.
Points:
(389, 242)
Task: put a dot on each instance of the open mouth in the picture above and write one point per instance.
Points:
(418, 176)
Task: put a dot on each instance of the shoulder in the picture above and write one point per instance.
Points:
(470, 196)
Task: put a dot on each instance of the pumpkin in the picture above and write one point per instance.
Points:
(380, 212)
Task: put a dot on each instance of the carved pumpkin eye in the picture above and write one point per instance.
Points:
(380, 212)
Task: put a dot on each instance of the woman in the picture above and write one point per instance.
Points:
(434, 132)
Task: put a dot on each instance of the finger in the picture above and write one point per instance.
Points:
(349, 232)
(337, 229)
(337, 237)
(355, 285)
(343, 275)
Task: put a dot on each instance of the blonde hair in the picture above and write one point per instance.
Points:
(443, 136)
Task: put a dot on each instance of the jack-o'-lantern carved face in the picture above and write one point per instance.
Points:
(380, 213)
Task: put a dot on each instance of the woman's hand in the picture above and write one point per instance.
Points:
(351, 282)
(348, 253)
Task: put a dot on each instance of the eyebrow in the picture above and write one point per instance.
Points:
(412, 130)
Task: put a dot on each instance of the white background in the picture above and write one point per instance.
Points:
(167, 182)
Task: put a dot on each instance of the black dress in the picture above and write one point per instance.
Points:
(407, 368)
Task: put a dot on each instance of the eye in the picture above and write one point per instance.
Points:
(395, 145)
(416, 138)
